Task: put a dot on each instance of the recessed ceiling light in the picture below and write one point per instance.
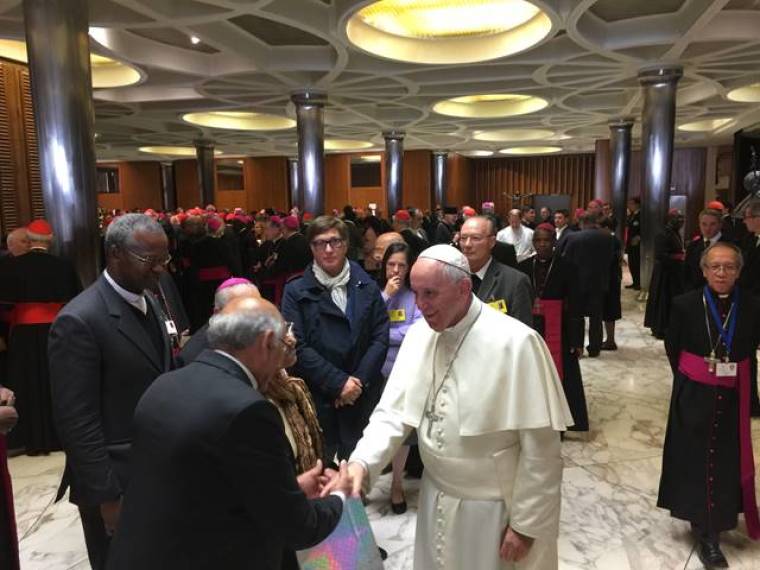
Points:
(531, 150)
(746, 94)
(239, 120)
(505, 135)
(447, 31)
(195, 40)
(346, 144)
(240, 161)
(371, 158)
(490, 105)
(106, 72)
(475, 153)
(704, 125)
(173, 150)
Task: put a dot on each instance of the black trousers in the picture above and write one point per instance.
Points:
(95, 536)
(634, 264)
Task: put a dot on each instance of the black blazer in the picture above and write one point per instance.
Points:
(101, 362)
(505, 254)
(213, 483)
(591, 254)
(511, 285)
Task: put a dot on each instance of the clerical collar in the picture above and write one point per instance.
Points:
(465, 322)
(242, 366)
(481, 273)
(38, 248)
(137, 301)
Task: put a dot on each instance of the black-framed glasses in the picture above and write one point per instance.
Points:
(334, 243)
(149, 261)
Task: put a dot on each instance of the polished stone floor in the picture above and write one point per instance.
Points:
(609, 518)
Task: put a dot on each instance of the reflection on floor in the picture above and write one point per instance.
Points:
(609, 518)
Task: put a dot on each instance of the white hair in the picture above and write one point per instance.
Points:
(226, 295)
(240, 329)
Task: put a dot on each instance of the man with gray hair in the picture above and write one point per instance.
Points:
(488, 435)
(18, 242)
(106, 347)
(214, 484)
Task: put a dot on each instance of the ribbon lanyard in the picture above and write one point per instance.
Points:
(725, 333)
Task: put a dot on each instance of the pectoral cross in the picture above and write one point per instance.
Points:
(711, 362)
(432, 418)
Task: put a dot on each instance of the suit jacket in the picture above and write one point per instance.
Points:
(591, 254)
(693, 278)
(415, 242)
(101, 362)
(750, 275)
(213, 482)
(505, 254)
(511, 285)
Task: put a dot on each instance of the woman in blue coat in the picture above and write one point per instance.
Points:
(340, 320)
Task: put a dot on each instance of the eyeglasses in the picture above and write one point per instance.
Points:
(285, 338)
(716, 268)
(334, 243)
(474, 239)
(150, 261)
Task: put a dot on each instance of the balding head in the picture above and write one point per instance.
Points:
(382, 243)
(18, 242)
(224, 296)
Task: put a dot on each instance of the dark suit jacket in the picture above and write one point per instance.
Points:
(416, 243)
(505, 254)
(750, 275)
(591, 254)
(213, 482)
(502, 282)
(193, 347)
(693, 278)
(101, 362)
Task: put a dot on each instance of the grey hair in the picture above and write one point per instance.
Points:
(240, 329)
(753, 208)
(226, 295)
(120, 232)
(724, 245)
(452, 273)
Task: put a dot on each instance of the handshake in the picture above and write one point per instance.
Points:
(319, 482)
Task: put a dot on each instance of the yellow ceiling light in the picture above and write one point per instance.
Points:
(239, 120)
(746, 94)
(346, 144)
(106, 72)
(508, 135)
(704, 125)
(447, 31)
(371, 158)
(476, 153)
(173, 150)
(490, 105)
(523, 150)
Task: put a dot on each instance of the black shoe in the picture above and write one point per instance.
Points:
(592, 353)
(607, 345)
(383, 553)
(398, 508)
(710, 554)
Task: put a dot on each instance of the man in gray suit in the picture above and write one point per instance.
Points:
(502, 287)
(106, 347)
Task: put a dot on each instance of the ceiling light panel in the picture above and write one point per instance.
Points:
(447, 31)
(490, 105)
(530, 150)
(476, 153)
(704, 125)
(239, 120)
(509, 135)
(746, 94)
(346, 144)
(173, 150)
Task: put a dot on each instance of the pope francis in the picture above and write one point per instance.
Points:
(483, 393)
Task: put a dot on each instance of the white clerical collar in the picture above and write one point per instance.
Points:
(242, 366)
(482, 273)
(137, 301)
(465, 322)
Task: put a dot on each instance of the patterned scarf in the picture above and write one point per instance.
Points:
(338, 285)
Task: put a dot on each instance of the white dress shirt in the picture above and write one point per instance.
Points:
(522, 239)
(137, 301)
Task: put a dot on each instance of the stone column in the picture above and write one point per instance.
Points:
(296, 198)
(658, 123)
(59, 67)
(168, 186)
(310, 107)
(204, 154)
(394, 170)
(620, 142)
(440, 177)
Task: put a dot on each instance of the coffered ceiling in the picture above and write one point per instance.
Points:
(252, 54)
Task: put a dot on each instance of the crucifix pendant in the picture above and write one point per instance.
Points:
(711, 362)
(432, 418)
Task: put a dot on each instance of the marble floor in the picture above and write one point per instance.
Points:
(609, 520)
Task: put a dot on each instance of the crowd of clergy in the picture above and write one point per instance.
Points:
(232, 377)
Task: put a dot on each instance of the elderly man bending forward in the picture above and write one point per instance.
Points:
(483, 393)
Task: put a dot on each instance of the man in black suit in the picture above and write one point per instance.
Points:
(591, 253)
(502, 287)
(106, 347)
(709, 234)
(213, 482)
(402, 223)
(633, 242)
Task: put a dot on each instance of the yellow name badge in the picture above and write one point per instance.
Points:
(397, 315)
(499, 305)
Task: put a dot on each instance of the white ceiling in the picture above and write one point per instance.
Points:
(254, 53)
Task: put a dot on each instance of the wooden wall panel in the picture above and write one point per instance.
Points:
(230, 199)
(140, 184)
(498, 179)
(603, 171)
(338, 182)
(111, 201)
(460, 190)
(417, 184)
(266, 183)
(186, 181)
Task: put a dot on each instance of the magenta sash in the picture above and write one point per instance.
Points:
(551, 310)
(695, 368)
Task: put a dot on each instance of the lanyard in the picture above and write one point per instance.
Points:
(725, 333)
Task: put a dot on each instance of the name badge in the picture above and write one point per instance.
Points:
(499, 305)
(397, 315)
(171, 328)
(726, 370)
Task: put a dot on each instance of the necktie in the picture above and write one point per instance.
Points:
(476, 281)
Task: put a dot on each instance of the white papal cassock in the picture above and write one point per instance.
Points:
(487, 402)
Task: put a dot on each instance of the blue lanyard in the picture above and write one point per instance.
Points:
(726, 335)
